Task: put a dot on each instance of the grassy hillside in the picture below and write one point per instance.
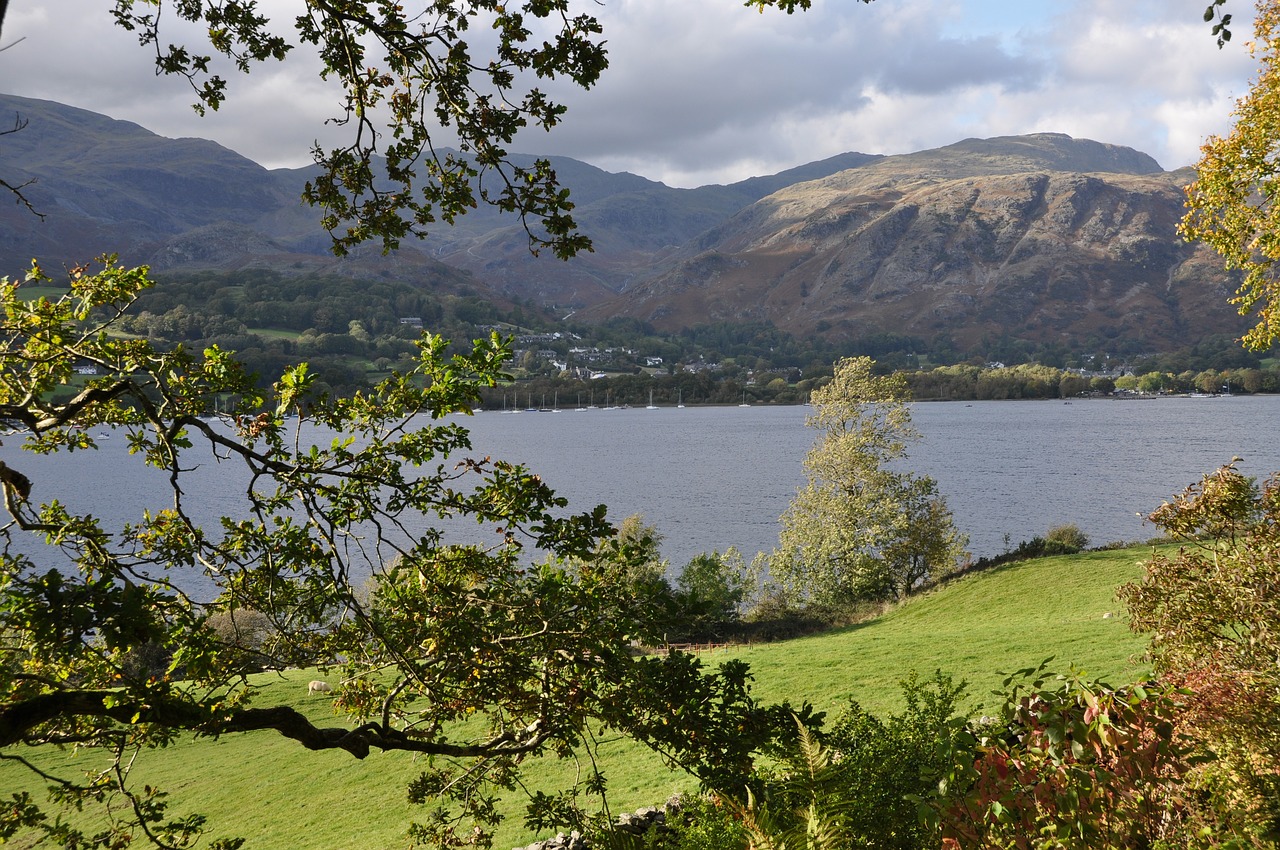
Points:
(974, 628)
(265, 789)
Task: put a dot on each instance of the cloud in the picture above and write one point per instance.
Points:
(720, 94)
(939, 66)
(72, 52)
(714, 92)
(727, 96)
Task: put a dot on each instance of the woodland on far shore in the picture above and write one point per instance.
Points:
(353, 337)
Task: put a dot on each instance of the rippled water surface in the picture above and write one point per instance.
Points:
(710, 478)
(714, 477)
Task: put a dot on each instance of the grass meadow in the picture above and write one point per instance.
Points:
(271, 792)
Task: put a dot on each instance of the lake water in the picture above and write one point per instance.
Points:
(710, 478)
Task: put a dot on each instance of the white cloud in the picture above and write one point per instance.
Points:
(713, 92)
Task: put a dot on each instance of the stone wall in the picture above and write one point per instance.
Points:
(637, 823)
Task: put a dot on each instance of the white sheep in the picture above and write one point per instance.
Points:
(318, 687)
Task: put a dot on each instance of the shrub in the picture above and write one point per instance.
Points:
(1211, 608)
(701, 823)
(884, 766)
(710, 590)
(145, 661)
(858, 785)
(1072, 764)
(1059, 540)
(1069, 537)
(246, 635)
(773, 617)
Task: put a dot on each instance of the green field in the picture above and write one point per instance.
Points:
(974, 629)
(31, 291)
(274, 333)
(269, 791)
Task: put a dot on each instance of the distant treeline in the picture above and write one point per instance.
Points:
(945, 383)
(972, 383)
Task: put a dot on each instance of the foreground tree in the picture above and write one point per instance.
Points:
(1232, 203)
(861, 529)
(1214, 14)
(1190, 759)
(479, 653)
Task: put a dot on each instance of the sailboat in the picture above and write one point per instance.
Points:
(680, 399)
(744, 399)
(651, 405)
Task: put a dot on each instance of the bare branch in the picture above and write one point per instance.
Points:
(19, 124)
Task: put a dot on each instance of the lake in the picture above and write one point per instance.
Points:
(713, 477)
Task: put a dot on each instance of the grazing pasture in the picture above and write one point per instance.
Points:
(270, 791)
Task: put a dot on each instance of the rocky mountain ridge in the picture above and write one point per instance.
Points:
(1040, 237)
(179, 204)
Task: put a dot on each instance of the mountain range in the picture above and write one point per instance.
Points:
(1043, 238)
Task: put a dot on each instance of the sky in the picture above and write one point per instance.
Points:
(708, 91)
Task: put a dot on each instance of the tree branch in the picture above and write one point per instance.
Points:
(19, 124)
(18, 719)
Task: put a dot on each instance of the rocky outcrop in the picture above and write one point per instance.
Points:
(959, 245)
